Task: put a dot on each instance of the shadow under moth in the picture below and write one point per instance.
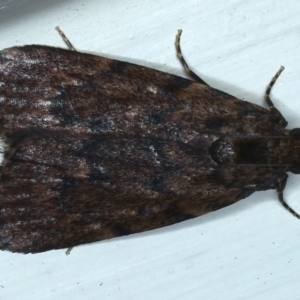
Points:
(94, 148)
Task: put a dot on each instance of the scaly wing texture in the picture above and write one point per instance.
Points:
(97, 148)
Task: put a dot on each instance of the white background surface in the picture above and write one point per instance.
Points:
(250, 250)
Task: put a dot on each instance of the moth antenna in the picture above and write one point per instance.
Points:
(183, 62)
(65, 39)
(273, 109)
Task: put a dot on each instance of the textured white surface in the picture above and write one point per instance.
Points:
(250, 250)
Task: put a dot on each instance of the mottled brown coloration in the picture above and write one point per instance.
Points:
(96, 148)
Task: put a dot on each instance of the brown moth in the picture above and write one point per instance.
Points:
(95, 148)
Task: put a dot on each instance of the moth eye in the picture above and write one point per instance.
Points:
(295, 133)
(295, 168)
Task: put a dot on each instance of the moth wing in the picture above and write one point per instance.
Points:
(96, 148)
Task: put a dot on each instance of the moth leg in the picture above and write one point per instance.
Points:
(68, 251)
(280, 189)
(183, 62)
(65, 39)
(273, 109)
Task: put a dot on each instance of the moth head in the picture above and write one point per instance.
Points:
(295, 135)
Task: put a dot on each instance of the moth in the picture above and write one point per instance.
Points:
(94, 148)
